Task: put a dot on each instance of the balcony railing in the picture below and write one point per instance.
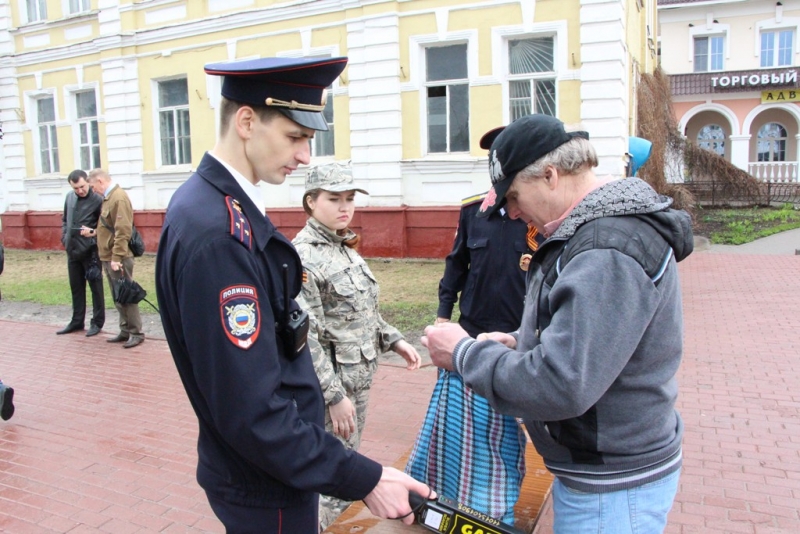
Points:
(774, 171)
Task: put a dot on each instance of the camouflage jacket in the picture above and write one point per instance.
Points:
(341, 295)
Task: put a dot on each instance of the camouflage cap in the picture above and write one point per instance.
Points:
(333, 177)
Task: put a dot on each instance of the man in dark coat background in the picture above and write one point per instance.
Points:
(82, 209)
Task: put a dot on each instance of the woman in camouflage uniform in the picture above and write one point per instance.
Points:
(341, 295)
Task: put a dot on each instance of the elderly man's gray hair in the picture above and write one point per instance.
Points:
(570, 158)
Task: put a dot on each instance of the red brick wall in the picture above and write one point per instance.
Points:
(402, 232)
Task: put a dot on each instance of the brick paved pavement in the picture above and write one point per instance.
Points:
(103, 439)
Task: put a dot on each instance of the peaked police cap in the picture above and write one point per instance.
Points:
(294, 86)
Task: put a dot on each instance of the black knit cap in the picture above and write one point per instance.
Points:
(293, 86)
(519, 144)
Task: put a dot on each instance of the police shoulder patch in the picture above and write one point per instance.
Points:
(241, 318)
(239, 224)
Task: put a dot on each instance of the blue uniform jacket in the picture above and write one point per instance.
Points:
(220, 287)
(484, 266)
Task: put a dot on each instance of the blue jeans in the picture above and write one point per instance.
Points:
(641, 510)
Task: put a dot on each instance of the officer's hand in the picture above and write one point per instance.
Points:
(441, 340)
(389, 499)
(409, 354)
(343, 416)
(440, 320)
(506, 339)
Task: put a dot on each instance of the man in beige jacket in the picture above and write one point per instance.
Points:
(113, 235)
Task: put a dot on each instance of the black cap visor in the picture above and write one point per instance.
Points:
(310, 119)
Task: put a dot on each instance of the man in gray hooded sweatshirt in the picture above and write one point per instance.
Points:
(592, 368)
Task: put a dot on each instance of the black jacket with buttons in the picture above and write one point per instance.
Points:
(219, 280)
(484, 267)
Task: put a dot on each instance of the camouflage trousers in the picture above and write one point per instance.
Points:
(357, 381)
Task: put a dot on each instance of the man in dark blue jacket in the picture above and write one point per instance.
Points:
(226, 281)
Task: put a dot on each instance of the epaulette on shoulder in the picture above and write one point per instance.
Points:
(239, 224)
(473, 199)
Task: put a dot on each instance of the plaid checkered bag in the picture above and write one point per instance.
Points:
(468, 452)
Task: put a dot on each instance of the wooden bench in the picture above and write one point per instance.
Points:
(535, 490)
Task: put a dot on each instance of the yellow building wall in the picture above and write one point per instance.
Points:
(641, 57)
(60, 75)
(341, 127)
(485, 101)
(569, 102)
(202, 117)
(485, 110)
(556, 10)
(411, 125)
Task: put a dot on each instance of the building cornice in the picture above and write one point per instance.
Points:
(221, 23)
(706, 3)
(36, 27)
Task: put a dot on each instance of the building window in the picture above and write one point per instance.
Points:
(88, 133)
(772, 142)
(447, 89)
(777, 48)
(173, 120)
(79, 6)
(712, 137)
(322, 144)
(37, 10)
(532, 83)
(48, 141)
(708, 53)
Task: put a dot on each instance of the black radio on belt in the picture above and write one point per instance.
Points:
(294, 330)
(447, 516)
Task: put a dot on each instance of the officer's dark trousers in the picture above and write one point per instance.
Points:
(246, 520)
(77, 283)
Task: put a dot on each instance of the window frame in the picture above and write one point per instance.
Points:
(174, 109)
(563, 69)
(41, 5)
(54, 162)
(712, 141)
(415, 78)
(85, 7)
(771, 140)
(533, 77)
(79, 122)
(776, 49)
(710, 29)
(323, 137)
(426, 85)
(709, 54)
(777, 25)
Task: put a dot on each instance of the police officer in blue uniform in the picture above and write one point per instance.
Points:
(226, 281)
(487, 267)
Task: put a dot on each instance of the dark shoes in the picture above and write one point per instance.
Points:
(119, 338)
(70, 328)
(130, 341)
(93, 331)
(6, 402)
(133, 341)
